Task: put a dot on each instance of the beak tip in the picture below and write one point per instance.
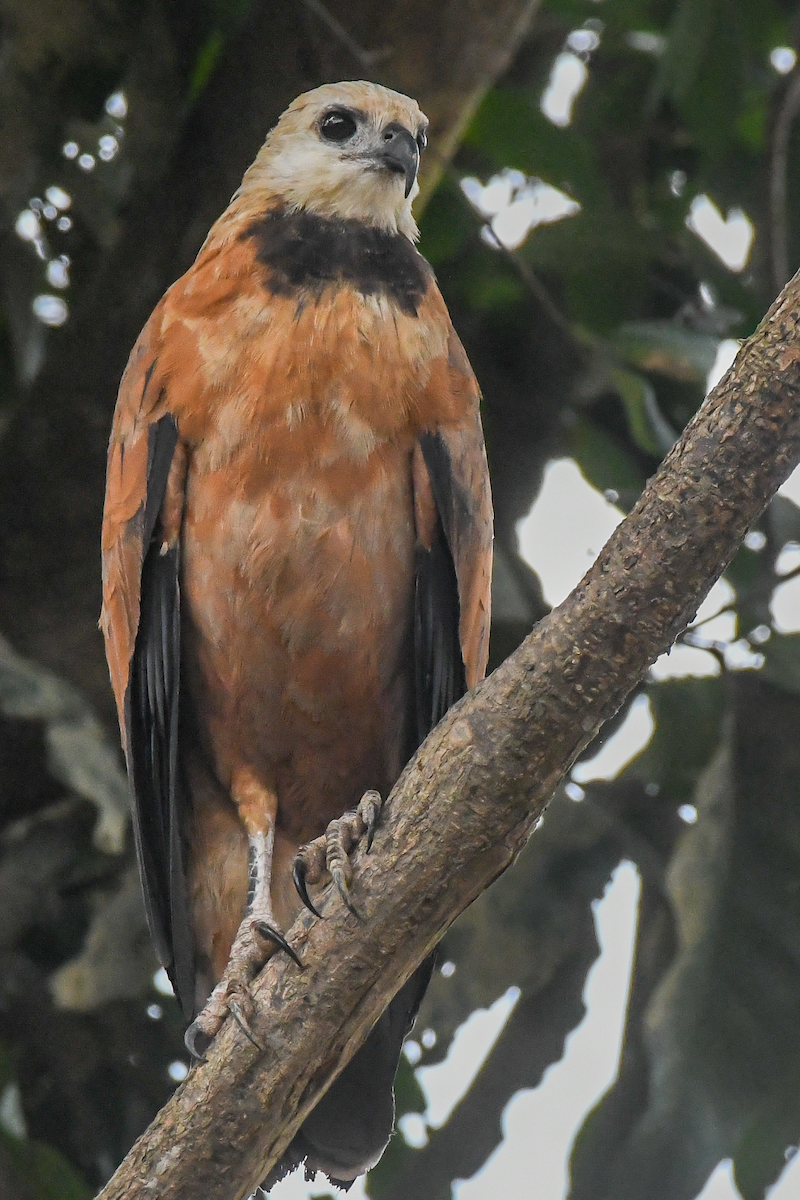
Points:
(399, 153)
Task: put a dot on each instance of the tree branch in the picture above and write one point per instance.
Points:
(469, 800)
(778, 181)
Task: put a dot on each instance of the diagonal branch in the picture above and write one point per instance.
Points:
(470, 799)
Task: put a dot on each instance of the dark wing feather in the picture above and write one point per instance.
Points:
(151, 724)
(451, 604)
(141, 621)
(439, 668)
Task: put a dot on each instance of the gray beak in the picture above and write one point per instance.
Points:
(399, 153)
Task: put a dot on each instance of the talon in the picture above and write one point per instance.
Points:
(299, 871)
(272, 935)
(343, 888)
(190, 1041)
(238, 1015)
(369, 810)
(371, 825)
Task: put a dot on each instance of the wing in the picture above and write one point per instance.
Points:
(141, 624)
(453, 511)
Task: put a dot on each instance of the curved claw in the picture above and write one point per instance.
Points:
(372, 825)
(344, 891)
(370, 809)
(240, 1019)
(299, 876)
(190, 1042)
(272, 935)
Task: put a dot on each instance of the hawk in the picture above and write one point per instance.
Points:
(297, 546)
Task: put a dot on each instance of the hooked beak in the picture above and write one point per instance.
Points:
(399, 153)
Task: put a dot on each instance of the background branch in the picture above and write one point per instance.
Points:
(467, 803)
(778, 181)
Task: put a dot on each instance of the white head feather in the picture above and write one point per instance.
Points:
(299, 166)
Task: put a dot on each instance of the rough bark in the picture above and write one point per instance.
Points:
(470, 799)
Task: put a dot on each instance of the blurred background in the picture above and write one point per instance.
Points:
(610, 201)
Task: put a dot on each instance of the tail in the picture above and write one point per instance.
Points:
(349, 1129)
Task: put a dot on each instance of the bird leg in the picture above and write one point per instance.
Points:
(258, 937)
(331, 852)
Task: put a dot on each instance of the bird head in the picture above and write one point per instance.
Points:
(347, 150)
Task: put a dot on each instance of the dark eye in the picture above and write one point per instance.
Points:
(422, 140)
(337, 126)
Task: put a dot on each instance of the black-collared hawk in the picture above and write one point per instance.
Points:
(296, 564)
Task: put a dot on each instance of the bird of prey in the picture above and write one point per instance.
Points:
(296, 565)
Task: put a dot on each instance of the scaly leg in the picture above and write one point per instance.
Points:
(331, 852)
(259, 934)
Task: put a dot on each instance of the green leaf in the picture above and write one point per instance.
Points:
(601, 258)
(510, 130)
(42, 1173)
(447, 225)
(782, 661)
(408, 1095)
(762, 1153)
(649, 429)
(206, 61)
(667, 348)
(688, 713)
(605, 462)
(783, 517)
(409, 1098)
(749, 569)
(225, 18)
(688, 37)
(751, 123)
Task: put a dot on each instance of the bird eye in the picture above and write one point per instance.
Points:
(422, 140)
(337, 126)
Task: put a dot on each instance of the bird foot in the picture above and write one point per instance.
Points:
(256, 941)
(331, 852)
